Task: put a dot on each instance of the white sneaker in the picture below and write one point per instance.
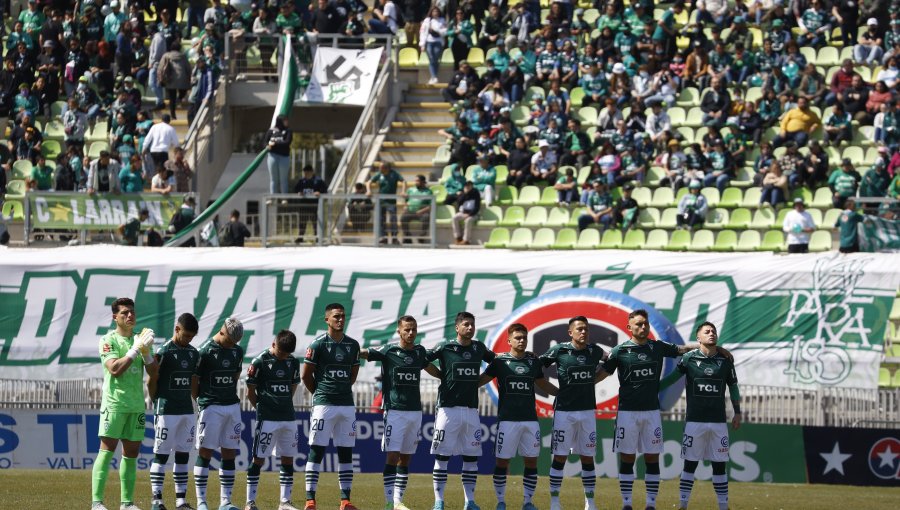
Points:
(554, 504)
(98, 506)
(286, 505)
(432, 81)
(589, 504)
(130, 506)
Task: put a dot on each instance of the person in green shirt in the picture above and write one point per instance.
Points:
(25, 102)
(32, 19)
(454, 183)
(288, 21)
(389, 182)
(848, 223)
(272, 380)
(518, 430)
(705, 432)
(41, 178)
(484, 178)
(418, 208)
(174, 424)
(875, 182)
(610, 19)
(131, 178)
(131, 229)
(843, 183)
(214, 386)
(125, 356)
(893, 190)
(401, 367)
(330, 368)
(599, 207)
(113, 22)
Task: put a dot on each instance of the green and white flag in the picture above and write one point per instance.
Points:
(879, 234)
(343, 76)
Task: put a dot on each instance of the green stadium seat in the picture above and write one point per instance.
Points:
(529, 195)
(855, 154)
(565, 239)
(408, 58)
(694, 119)
(779, 219)
(816, 215)
(895, 310)
(589, 239)
(828, 56)
(573, 217)
(470, 172)
(895, 382)
(763, 218)
(830, 219)
(576, 97)
(549, 196)
(884, 377)
(98, 133)
(820, 240)
(740, 219)
(439, 191)
(668, 219)
(520, 115)
(54, 130)
(680, 193)
(749, 241)
(654, 175)
(521, 239)
(447, 58)
(444, 214)
(535, 217)
(56, 109)
(752, 197)
(703, 240)
(502, 174)
(612, 239)
(557, 217)
(662, 198)
(490, 216)
(712, 196)
(772, 241)
(13, 210)
(822, 198)
(537, 90)
(680, 241)
(803, 193)
(643, 196)
(21, 169)
(731, 198)
(587, 115)
(634, 240)
(687, 135)
(513, 217)
(716, 219)
(441, 157)
(688, 97)
(743, 179)
(499, 238)
(677, 115)
(725, 241)
(507, 195)
(543, 239)
(657, 239)
(648, 217)
(16, 189)
(96, 148)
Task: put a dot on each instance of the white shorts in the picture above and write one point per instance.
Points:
(275, 438)
(575, 432)
(401, 431)
(457, 431)
(638, 432)
(174, 433)
(220, 427)
(518, 437)
(705, 441)
(337, 423)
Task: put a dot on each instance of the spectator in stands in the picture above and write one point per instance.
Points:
(894, 187)
(278, 141)
(518, 164)
(310, 186)
(180, 170)
(418, 209)
(599, 208)
(714, 12)
(484, 177)
(812, 85)
(41, 178)
(837, 127)
(848, 222)
(174, 73)
(158, 48)
(543, 164)
(566, 188)
(843, 183)
(360, 208)
(627, 208)
(797, 125)
(879, 95)
(65, 176)
(868, 49)
(182, 219)
(463, 80)
(798, 225)
(234, 233)
(431, 40)
(454, 183)
(716, 104)
(814, 25)
(389, 182)
(161, 182)
(659, 125)
(892, 41)
(876, 181)
(721, 169)
(160, 139)
(814, 169)
(774, 186)
(674, 163)
(840, 81)
(846, 13)
(103, 175)
(131, 176)
(576, 146)
(384, 18)
(855, 98)
(28, 146)
(130, 231)
(692, 208)
(204, 87)
(468, 207)
(696, 69)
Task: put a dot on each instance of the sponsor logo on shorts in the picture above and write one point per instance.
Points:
(724, 442)
(478, 434)
(142, 420)
(658, 432)
(353, 429)
(237, 429)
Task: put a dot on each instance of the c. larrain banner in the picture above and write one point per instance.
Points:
(100, 211)
(799, 321)
(342, 76)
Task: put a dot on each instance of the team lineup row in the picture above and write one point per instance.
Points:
(180, 374)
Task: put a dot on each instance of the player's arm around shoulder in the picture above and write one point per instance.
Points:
(548, 387)
(608, 367)
(549, 357)
(488, 375)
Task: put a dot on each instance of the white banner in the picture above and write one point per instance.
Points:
(342, 76)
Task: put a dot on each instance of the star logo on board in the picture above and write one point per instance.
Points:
(834, 460)
(60, 212)
(884, 458)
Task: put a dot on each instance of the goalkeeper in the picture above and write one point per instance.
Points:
(122, 409)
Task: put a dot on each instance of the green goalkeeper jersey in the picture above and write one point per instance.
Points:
(123, 394)
(639, 368)
(273, 379)
(707, 377)
(515, 379)
(334, 362)
(218, 369)
(401, 375)
(575, 371)
(460, 370)
(173, 387)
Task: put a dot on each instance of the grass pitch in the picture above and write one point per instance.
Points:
(55, 490)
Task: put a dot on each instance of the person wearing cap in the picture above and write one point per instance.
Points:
(798, 225)
(543, 164)
(599, 207)
(113, 22)
(868, 49)
(843, 183)
(627, 208)
(814, 25)
(214, 385)
(740, 34)
(892, 40)
(692, 208)
(797, 124)
(876, 181)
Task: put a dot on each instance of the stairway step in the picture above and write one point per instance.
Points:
(410, 145)
(428, 165)
(425, 116)
(425, 86)
(429, 105)
(418, 125)
(415, 136)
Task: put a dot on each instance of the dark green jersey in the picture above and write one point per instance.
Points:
(639, 369)
(273, 379)
(707, 377)
(515, 378)
(173, 388)
(334, 363)
(575, 371)
(460, 370)
(218, 370)
(400, 375)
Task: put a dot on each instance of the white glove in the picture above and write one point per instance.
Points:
(144, 342)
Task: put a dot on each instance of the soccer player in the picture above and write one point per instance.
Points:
(123, 355)
(214, 385)
(518, 432)
(457, 429)
(638, 423)
(401, 365)
(272, 379)
(329, 371)
(175, 422)
(575, 408)
(705, 433)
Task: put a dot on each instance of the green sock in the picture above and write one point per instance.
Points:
(100, 472)
(127, 475)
